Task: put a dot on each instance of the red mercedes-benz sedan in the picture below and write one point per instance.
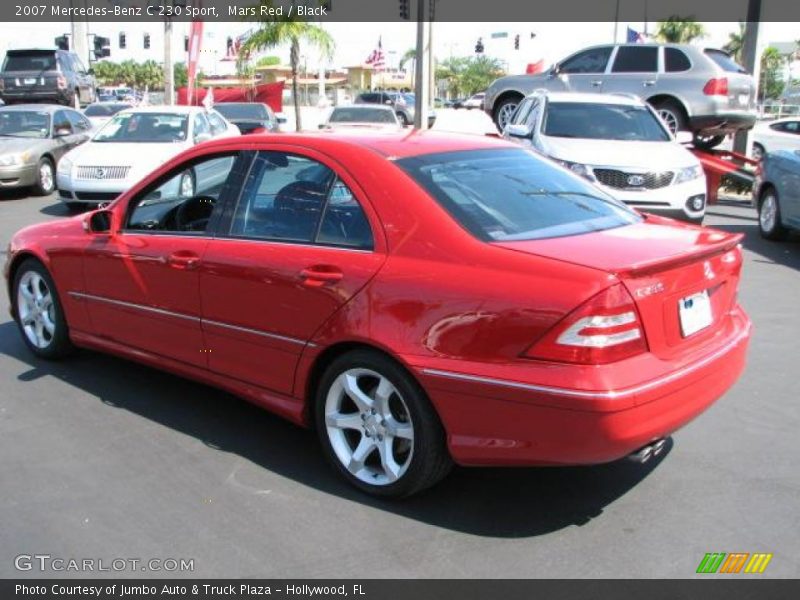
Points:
(419, 298)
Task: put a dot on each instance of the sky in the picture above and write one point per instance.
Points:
(355, 41)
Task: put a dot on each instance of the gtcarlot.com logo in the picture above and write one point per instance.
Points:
(46, 562)
(735, 562)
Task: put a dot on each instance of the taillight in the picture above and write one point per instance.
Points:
(604, 329)
(716, 87)
(62, 82)
(259, 130)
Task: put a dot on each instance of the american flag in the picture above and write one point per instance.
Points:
(636, 37)
(377, 58)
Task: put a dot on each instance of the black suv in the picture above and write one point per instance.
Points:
(55, 76)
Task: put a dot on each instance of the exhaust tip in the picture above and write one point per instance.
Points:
(649, 451)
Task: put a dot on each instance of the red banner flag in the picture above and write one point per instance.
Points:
(195, 42)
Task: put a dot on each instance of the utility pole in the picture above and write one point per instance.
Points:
(169, 81)
(80, 35)
(423, 70)
(741, 141)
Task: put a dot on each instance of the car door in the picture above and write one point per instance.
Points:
(299, 244)
(787, 171)
(64, 134)
(80, 125)
(582, 72)
(634, 70)
(142, 281)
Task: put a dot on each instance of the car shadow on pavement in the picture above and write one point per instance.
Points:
(492, 502)
(786, 253)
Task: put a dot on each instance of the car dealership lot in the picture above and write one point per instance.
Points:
(106, 459)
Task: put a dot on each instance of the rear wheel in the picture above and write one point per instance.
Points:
(45, 177)
(769, 216)
(707, 142)
(377, 426)
(504, 110)
(403, 119)
(38, 312)
(672, 114)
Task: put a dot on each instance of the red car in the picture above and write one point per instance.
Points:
(421, 299)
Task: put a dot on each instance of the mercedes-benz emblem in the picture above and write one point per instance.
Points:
(100, 173)
(635, 180)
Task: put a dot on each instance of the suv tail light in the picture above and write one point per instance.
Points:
(62, 82)
(716, 87)
(606, 328)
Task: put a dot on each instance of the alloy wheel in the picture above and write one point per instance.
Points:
(769, 213)
(46, 180)
(36, 309)
(506, 112)
(369, 426)
(670, 119)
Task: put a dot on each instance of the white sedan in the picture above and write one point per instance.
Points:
(131, 145)
(781, 134)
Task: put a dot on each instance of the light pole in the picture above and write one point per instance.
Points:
(423, 69)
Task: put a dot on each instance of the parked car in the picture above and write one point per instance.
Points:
(474, 101)
(421, 300)
(33, 138)
(776, 193)
(249, 117)
(618, 143)
(694, 89)
(130, 145)
(100, 112)
(402, 103)
(781, 134)
(362, 115)
(55, 76)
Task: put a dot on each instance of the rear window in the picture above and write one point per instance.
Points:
(511, 194)
(34, 61)
(360, 114)
(725, 62)
(104, 110)
(255, 111)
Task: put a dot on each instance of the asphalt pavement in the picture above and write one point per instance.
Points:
(105, 459)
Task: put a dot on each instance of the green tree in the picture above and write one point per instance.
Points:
(735, 43)
(106, 72)
(180, 75)
(451, 70)
(772, 83)
(287, 30)
(677, 30)
(409, 57)
(479, 72)
(268, 61)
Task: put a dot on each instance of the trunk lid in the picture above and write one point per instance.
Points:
(675, 274)
(30, 81)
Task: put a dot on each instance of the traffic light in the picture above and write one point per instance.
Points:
(186, 43)
(479, 46)
(405, 10)
(516, 42)
(62, 42)
(146, 41)
(123, 40)
(102, 47)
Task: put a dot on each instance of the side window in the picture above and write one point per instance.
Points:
(675, 61)
(78, 121)
(77, 64)
(283, 198)
(201, 125)
(792, 127)
(636, 59)
(343, 221)
(593, 60)
(185, 201)
(65, 63)
(218, 125)
(61, 121)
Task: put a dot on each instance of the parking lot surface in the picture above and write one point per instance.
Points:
(105, 459)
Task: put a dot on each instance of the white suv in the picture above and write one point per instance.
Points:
(619, 143)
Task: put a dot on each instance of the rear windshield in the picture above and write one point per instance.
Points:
(255, 112)
(512, 194)
(34, 61)
(353, 114)
(602, 122)
(104, 110)
(725, 62)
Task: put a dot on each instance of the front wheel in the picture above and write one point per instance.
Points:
(38, 312)
(672, 114)
(403, 119)
(45, 177)
(504, 110)
(769, 216)
(377, 426)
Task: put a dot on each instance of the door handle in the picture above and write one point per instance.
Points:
(597, 83)
(185, 261)
(649, 83)
(320, 275)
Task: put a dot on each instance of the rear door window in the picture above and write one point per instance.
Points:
(636, 59)
(676, 61)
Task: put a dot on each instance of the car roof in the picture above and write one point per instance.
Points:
(589, 98)
(50, 108)
(391, 144)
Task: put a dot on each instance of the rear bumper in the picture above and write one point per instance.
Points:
(503, 421)
(722, 123)
(49, 95)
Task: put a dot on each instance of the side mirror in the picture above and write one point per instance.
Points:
(98, 221)
(518, 131)
(684, 137)
(62, 132)
(554, 70)
(321, 125)
(202, 137)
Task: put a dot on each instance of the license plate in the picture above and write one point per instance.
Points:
(744, 99)
(29, 81)
(695, 313)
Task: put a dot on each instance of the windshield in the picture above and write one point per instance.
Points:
(144, 127)
(725, 62)
(602, 122)
(24, 123)
(104, 110)
(352, 114)
(512, 194)
(252, 112)
(35, 61)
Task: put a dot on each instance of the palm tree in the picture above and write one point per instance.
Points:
(285, 30)
(735, 43)
(409, 55)
(677, 30)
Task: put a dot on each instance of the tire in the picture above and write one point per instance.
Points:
(769, 216)
(672, 113)
(45, 177)
(403, 119)
(758, 151)
(707, 142)
(381, 464)
(38, 313)
(504, 110)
